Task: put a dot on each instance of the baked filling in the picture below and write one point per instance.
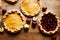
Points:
(49, 23)
(13, 22)
(30, 6)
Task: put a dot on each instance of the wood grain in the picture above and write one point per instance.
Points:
(33, 34)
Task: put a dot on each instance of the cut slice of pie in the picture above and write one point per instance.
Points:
(13, 21)
(30, 7)
(11, 1)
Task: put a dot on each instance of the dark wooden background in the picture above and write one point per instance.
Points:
(33, 34)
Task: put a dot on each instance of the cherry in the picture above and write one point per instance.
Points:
(53, 37)
(44, 9)
(44, 27)
(34, 23)
(28, 21)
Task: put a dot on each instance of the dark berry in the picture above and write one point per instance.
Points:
(44, 8)
(34, 23)
(28, 21)
(53, 37)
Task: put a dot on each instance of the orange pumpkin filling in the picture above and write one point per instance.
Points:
(30, 6)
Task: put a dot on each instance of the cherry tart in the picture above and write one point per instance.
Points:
(48, 23)
(11, 1)
(13, 21)
(30, 8)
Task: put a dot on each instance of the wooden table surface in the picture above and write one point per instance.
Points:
(33, 34)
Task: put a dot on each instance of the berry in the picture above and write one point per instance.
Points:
(34, 23)
(53, 37)
(44, 8)
(28, 21)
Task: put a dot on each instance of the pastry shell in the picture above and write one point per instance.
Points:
(18, 28)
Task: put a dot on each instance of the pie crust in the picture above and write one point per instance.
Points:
(43, 30)
(30, 8)
(13, 21)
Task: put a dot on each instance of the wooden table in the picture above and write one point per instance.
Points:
(33, 34)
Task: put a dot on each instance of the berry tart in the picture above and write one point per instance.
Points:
(48, 23)
(13, 21)
(11, 1)
(30, 8)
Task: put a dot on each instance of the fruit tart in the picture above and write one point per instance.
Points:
(11, 1)
(48, 23)
(30, 8)
(13, 21)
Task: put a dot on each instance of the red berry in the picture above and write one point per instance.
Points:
(53, 37)
(28, 21)
(44, 8)
(34, 23)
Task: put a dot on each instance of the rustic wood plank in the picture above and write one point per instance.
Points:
(33, 34)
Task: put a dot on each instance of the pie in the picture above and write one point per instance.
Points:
(11, 1)
(48, 23)
(13, 21)
(30, 7)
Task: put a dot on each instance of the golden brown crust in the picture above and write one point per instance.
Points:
(30, 7)
(13, 21)
(43, 30)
